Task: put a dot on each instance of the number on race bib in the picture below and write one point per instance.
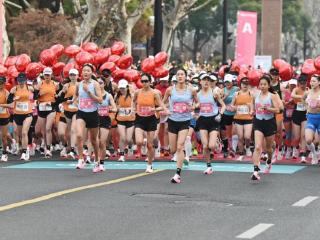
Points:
(3, 110)
(45, 106)
(86, 103)
(124, 112)
(22, 106)
(301, 106)
(145, 111)
(242, 109)
(103, 111)
(206, 108)
(180, 107)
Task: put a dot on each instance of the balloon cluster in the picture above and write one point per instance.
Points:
(114, 59)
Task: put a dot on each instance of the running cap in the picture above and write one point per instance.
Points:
(274, 72)
(203, 76)
(213, 77)
(122, 83)
(293, 82)
(22, 77)
(228, 78)
(166, 78)
(47, 71)
(3, 79)
(74, 71)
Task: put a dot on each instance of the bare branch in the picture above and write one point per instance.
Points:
(194, 9)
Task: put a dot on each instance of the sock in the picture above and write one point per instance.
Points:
(225, 145)
(312, 148)
(256, 168)
(235, 140)
(208, 164)
(179, 171)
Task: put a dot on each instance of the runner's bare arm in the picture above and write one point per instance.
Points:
(113, 104)
(223, 105)
(167, 95)
(97, 96)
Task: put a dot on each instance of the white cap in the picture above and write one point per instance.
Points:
(47, 70)
(73, 71)
(122, 83)
(228, 78)
(203, 76)
(293, 82)
(213, 77)
(202, 72)
(166, 78)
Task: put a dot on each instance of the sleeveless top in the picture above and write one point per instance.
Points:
(242, 101)
(179, 105)
(86, 103)
(208, 105)
(4, 113)
(23, 104)
(70, 92)
(109, 89)
(228, 100)
(263, 114)
(124, 109)
(103, 108)
(300, 106)
(145, 102)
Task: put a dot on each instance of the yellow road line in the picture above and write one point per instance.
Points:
(71, 190)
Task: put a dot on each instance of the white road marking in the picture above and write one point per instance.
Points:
(255, 231)
(305, 201)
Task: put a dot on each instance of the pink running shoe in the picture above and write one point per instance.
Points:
(98, 168)
(255, 176)
(176, 179)
(267, 168)
(208, 171)
(81, 164)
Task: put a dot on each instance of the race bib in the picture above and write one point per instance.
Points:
(22, 106)
(86, 103)
(145, 111)
(229, 108)
(45, 106)
(103, 111)
(71, 106)
(242, 109)
(301, 106)
(313, 103)
(289, 113)
(3, 110)
(261, 109)
(180, 107)
(124, 111)
(206, 108)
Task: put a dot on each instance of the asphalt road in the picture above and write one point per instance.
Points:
(221, 206)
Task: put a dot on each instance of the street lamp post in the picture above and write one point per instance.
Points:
(157, 26)
(225, 31)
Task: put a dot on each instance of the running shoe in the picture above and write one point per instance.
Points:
(208, 171)
(98, 168)
(176, 179)
(57, 147)
(295, 153)
(195, 152)
(240, 158)
(248, 152)
(279, 156)
(121, 159)
(72, 155)
(48, 154)
(314, 160)
(267, 168)
(23, 157)
(130, 152)
(108, 154)
(186, 161)
(8, 150)
(149, 169)
(88, 159)
(232, 153)
(288, 154)
(157, 152)
(4, 158)
(303, 159)
(255, 176)
(225, 154)
(63, 152)
(264, 157)
(166, 153)
(32, 150)
(81, 164)
(42, 151)
(174, 158)
(27, 155)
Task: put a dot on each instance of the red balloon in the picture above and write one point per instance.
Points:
(118, 48)
(72, 50)
(58, 68)
(139, 84)
(317, 63)
(108, 65)
(118, 74)
(243, 70)
(58, 50)
(308, 67)
(67, 68)
(235, 67)
(240, 76)
(160, 59)
(22, 62)
(132, 75)
(90, 47)
(114, 58)
(33, 70)
(160, 72)
(102, 56)
(148, 65)
(10, 61)
(84, 57)
(285, 72)
(47, 57)
(277, 63)
(12, 72)
(221, 71)
(3, 71)
(254, 75)
(8, 86)
(125, 61)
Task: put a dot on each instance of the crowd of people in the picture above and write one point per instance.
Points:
(173, 116)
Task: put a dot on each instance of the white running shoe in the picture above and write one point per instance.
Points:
(208, 171)
(63, 152)
(240, 158)
(57, 147)
(81, 164)
(279, 156)
(23, 157)
(72, 155)
(303, 159)
(157, 152)
(48, 154)
(149, 169)
(174, 158)
(295, 153)
(121, 159)
(88, 159)
(314, 160)
(130, 152)
(4, 158)
(288, 153)
(248, 152)
(32, 150)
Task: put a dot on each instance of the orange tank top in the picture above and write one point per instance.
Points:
(48, 91)
(4, 113)
(22, 105)
(124, 109)
(241, 103)
(70, 92)
(145, 103)
(299, 92)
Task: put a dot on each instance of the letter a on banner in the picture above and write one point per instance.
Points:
(246, 38)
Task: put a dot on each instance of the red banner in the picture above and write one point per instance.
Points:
(1, 29)
(246, 38)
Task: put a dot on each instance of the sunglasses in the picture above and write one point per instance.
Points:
(72, 74)
(144, 81)
(101, 82)
(47, 75)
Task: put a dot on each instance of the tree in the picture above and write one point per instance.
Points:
(5, 39)
(174, 11)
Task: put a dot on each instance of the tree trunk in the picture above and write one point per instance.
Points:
(125, 37)
(5, 43)
(195, 44)
(167, 38)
